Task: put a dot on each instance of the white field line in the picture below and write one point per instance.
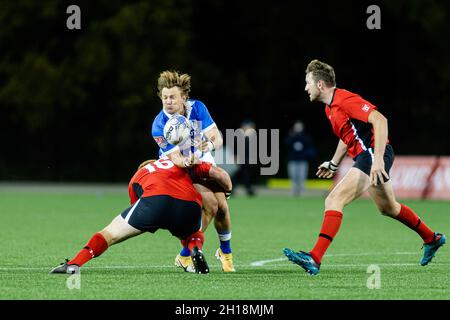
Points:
(261, 263)
(5, 268)
(361, 265)
(137, 267)
(365, 265)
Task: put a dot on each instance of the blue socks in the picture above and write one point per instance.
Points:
(225, 239)
(185, 252)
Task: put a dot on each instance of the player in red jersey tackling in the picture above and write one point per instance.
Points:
(363, 134)
(162, 196)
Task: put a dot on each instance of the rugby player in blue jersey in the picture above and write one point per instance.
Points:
(173, 89)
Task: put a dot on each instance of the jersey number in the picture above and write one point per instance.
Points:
(161, 164)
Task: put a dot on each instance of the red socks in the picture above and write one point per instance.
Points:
(330, 226)
(94, 248)
(194, 240)
(411, 220)
(332, 222)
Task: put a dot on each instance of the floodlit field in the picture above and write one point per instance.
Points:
(39, 230)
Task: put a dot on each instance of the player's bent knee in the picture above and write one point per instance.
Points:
(221, 215)
(223, 208)
(210, 204)
(334, 202)
(388, 211)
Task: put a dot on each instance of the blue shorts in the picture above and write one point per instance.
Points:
(363, 161)
(182, 218)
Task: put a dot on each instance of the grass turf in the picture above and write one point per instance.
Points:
(39, 230)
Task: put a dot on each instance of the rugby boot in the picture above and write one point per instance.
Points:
(429, 250)
(185, 263)
(200, 264)
(304, 260)
(66, 268)
(226, 259)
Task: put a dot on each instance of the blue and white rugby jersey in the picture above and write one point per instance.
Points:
(201, 120)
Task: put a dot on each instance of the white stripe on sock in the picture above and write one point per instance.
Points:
(224, 236)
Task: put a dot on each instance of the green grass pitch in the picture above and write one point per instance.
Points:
(39, 230)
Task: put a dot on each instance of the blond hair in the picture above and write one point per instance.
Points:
(322, 71)
(170, 79)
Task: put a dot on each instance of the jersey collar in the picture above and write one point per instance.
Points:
(332, 98)
(188, 105)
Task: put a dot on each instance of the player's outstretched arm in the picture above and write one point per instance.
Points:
(328, 168)
(181, 161)
(214, 141)
(222, 177)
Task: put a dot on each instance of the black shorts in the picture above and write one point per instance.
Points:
(182, 218)
(363, 161)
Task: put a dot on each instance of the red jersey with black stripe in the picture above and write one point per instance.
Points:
(163, 177)
(348, 113)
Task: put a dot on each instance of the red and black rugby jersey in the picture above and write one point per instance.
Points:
(348, 114)
(162, 177)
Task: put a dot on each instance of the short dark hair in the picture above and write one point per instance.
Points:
(322, 71)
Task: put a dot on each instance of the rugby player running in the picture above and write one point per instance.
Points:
(363, 134)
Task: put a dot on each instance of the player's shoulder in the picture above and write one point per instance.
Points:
(195, 104)
(342, 95)
(353, 102)
(160, 118)
(199, 111)
(159, 121)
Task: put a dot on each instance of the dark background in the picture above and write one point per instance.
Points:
(77, 105)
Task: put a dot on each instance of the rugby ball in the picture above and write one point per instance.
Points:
(177, 130)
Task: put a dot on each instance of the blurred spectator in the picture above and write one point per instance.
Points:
(246, 174)
(301, 151)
